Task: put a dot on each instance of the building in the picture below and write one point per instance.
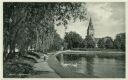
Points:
(90, 30)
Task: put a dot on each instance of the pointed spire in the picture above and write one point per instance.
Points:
(90, 26)
(90, 30)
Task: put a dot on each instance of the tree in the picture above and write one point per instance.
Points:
(73, 40)
(32, 24)
(105, 42)
(89, 42)
(57, 42)
(101, 43)
(108, 43)
(119, 42)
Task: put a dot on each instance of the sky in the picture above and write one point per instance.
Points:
(108, 19)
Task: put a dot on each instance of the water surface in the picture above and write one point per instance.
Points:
(101, 67)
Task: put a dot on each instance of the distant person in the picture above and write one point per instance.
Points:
(44, 58)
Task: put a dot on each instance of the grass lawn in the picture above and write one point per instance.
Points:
(90, 54)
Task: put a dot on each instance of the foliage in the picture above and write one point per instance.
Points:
(57, 42)
(14, 70)
(106, 42)
(20, 66)
(101, 43)
(31, 25)
(33, 54)
(89, 42)
(109, 43)
(119, 42)
(73, 40)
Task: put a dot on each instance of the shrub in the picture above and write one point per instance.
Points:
(15, 69)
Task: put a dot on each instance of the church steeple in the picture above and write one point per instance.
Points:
(90, 30)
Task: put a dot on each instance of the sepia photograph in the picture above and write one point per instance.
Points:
(64, 40)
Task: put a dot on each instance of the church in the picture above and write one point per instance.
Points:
(91, 32)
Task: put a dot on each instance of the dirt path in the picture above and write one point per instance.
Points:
(42, 70)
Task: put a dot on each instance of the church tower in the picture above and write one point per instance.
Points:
(90, 30)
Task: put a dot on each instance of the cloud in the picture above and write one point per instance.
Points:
(108, 20)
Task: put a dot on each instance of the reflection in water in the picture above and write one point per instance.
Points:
(101, 67)
(89, 66)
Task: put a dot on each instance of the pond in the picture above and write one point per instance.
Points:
(101, 67)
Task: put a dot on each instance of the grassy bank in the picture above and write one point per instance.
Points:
(72, 55)
(94, 49)
(21, 66)
(16, 69)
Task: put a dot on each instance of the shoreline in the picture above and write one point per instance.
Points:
(63, 71)
(67, 73)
